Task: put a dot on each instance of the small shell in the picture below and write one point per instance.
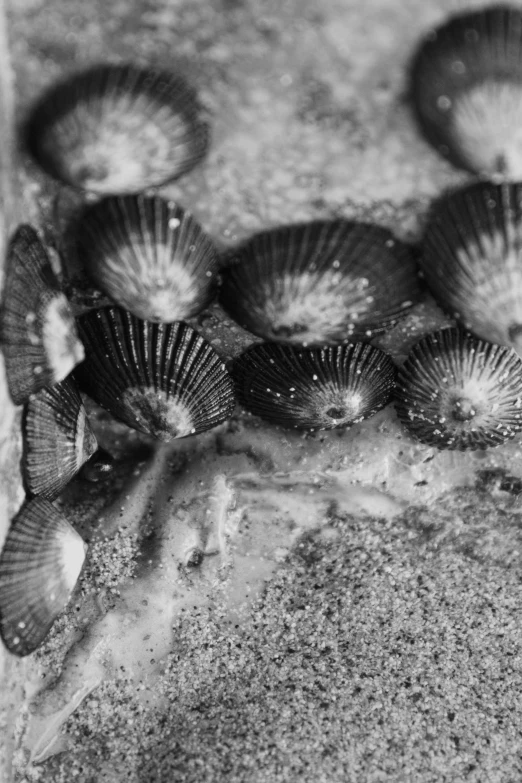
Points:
(466, 86)
(58, 439)
(314, 388)
(37, 329)
(118, 129)
(161, 379)
(320, 283)
(99, 467)
(149, 255)
(39, 567)
(472, 260)
(457, 392)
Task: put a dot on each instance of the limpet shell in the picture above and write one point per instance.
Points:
(149, 255)
(457, 392)
(162, 379)
(314, 388)
(117, 128)
(320, 283)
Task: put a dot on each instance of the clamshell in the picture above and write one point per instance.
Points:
(118, 128)
(320, 283)
(37, 330)
(466, 88)
(472, 260)
(457, 392)
(314, 388)
(39, 566)
(161, 379)
(58, 439)
(149, 255)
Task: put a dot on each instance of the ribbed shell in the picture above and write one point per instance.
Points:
(314, 388)
(37, 329)
(149, 255)
(39, 566)
(457, 392)
(320, 283)
(58, 439)
(472, 260)
(118, 129)
(162, 379)
(466, 86)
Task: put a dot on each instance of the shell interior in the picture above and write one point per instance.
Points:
(149, 255)
(58, 439)
(39, 567)
(37, 329)
(161, 379)
(314, 388)
(320, 283)
(118, 128)
(472, 260)
(457, 392)
(466, 86)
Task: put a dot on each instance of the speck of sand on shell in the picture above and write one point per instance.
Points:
(380, 650)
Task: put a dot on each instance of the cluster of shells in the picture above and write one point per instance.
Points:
(318, 294)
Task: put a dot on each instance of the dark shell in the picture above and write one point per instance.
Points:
(314, 388)
(117, 129)
(37, 329)
(320, 283)
(149, 255)
(472, 260)
(99, 467)
(161, 379)
(457, 392)
(39, 566)
(58, 439)
(466, 87)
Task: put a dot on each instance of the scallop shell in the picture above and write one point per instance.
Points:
(37, 329)
(314, 388)
(39, 567)
(118, 128)
(149, 255)
(320, 283)
(58, 439)
(472, 260)
(466, 86)
(161, 379)
(457, 392)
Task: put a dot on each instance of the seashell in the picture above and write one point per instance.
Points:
(149, 255)
(118, 128)
(58, 439)
(457, 392)
(466, 88)
(39, 566)
(99, 467)
(161, 379)
(314, 388)
(320, 283)
(37, 329)
(472, 260)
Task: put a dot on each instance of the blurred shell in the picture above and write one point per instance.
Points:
(457, 392)
(118, 129)
(58, 439)
(472, 260)
(39, 567)
(37, 329)
(149, 255)
(320, 283)
(99, 467)
(314, 388)
(161, 379)
(466, 86)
